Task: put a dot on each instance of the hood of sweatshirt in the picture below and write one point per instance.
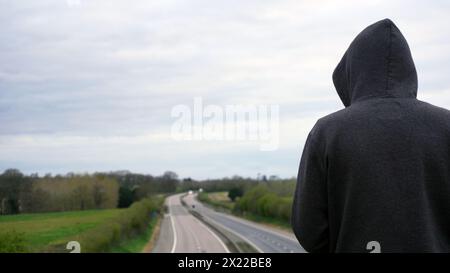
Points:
(377, 64)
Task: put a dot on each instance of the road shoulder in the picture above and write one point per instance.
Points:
(163, 241)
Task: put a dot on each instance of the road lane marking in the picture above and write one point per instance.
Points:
(248, 223)
(215, 236)
(261, 228)
(258, 230)
(174, 245)
(194, 235)
(236, 234)
(239, 235)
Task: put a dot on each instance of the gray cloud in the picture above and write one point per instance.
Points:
(90, 87)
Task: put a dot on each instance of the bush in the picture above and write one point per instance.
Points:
(235, 193)
(203, 197)
(262, 201)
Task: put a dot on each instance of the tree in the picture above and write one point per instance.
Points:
(99, 193)
(11, 184)
(169, 175)
(126, 197)
(234, 193)
(169, 182)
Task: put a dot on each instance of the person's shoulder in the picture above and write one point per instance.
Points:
(330, 122)
(434, 116)
(333, 118)
(425, 106)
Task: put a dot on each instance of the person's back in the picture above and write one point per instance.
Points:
(377, 172)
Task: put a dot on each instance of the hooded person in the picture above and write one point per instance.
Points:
(375, 176)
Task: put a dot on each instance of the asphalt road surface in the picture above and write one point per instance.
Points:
(187, 234)
(263, 238)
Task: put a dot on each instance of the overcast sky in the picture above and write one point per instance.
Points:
(89, 85)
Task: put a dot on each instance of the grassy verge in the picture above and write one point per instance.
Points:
(276, 223)
(137, 243)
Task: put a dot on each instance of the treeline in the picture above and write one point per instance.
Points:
(216, 185)
(134, 187)
(21, 193)
(244, 183)
(78, 192)
(28, 194)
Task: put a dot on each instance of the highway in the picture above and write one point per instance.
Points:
(183, 233)
(261, 237)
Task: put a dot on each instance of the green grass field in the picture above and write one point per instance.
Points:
(42, 229)
(218, 200)
(222, 199)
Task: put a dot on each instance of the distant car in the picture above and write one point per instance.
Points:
(190, 192)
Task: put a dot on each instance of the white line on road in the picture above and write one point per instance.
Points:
(173, 228)
(236, 234)
(215, 236)
(266, 229)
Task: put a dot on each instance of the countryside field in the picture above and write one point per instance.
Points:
(111, 230)
(42, 229)
(218, 199)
